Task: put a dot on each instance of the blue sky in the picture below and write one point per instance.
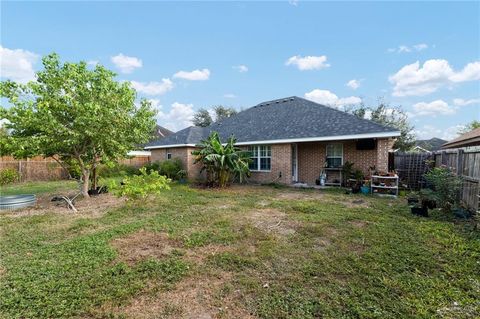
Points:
(424, 56)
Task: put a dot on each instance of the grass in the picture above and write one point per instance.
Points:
(246, 251)
(38, 187)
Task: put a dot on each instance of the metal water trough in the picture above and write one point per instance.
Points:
(17, 201)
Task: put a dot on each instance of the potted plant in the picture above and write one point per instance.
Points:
(365, 189)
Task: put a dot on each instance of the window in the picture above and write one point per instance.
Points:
(261, 156)
(334, 155)
(169, 156)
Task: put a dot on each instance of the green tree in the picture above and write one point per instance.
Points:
(78, 116)
(222, 162)
(222, 112)
(392, 116)
(470, 127)
(202, 118)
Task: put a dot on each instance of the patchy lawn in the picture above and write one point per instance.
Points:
(246, 252)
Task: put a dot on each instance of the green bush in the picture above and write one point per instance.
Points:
(445, 185)
(170, 168)
(140, 186)
(8, 176)
(154, 166)
(117, 170)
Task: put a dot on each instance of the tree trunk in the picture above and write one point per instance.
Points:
(86, 180)
(94, 178)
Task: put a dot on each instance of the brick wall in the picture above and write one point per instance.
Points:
(184, 154)
(311, 158)
(280, 163)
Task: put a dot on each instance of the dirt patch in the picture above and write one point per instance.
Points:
(299, 195)
(358, 223)
(356, 203)
(271, 221)
(94, 206)
(193, 298)
(142, 245)
(321, 244)
(199, 254)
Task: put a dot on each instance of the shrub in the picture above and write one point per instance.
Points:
(117, 170)
(140, 186)
(154, 166)
(445, 185)
(8, 176)
(171, 167)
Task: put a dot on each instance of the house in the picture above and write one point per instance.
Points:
(471, 138)
(290, 139)
(431, 145)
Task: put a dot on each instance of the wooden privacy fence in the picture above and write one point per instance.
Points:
(47, 169)
(465, 162)
(34, 169)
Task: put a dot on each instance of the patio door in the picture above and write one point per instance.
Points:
(294, 163)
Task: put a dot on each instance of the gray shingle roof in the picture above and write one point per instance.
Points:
(287, 118)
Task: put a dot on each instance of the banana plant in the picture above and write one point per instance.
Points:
(222, 162)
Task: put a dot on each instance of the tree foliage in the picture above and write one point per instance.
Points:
(222, 162)
(470, 127)
(202, 118)
(222, 112)
(392, 116)
(77, 116)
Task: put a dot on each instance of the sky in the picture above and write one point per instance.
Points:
(183, 56)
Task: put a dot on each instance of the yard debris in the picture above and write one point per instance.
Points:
(94, 206)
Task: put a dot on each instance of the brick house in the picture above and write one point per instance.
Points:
(291, 140)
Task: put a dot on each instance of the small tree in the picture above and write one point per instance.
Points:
(80, 117)
(202, 118)
(446, 185)
(393, 116)
(222, 162)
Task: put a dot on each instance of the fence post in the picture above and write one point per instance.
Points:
(460, 162)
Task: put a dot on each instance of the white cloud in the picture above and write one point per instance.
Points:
(413, 79)
(354, 84)
(407, 49)
(195, 75)
(330, 99)
(308, 62)
(17, 64)
(293, 2)
(462, 102)
(241, 68)
(434, 108)
(153, 88)
(179, 117)
(126, 64)
(428, 131)
(155, 104)
(229, 96)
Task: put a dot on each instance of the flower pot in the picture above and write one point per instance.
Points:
(365, 190)
(421, 211)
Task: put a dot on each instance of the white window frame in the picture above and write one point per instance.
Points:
(259, 157)
(326, 152)
(169, 155)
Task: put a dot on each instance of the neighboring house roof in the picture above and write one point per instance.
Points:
(161, 132)
(286, 120)
(430, 145)
(471, 138)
